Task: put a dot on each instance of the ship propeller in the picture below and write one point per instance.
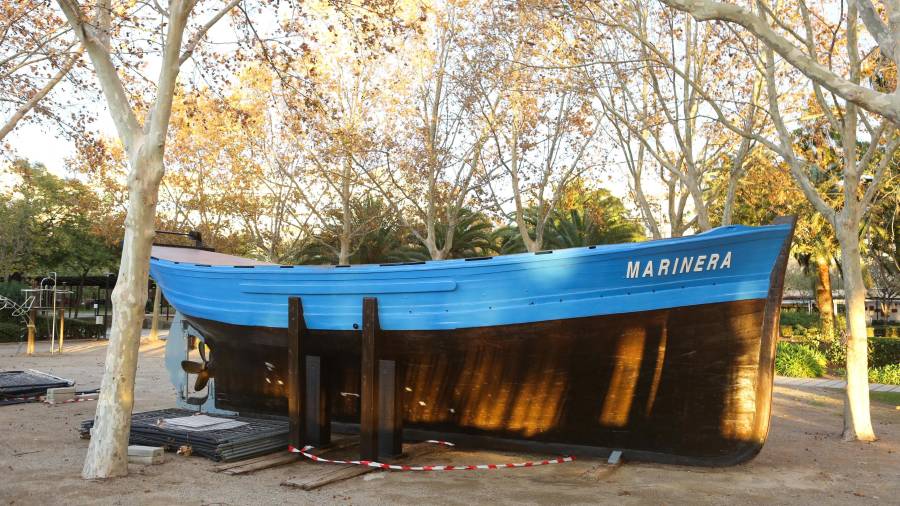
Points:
(204, 371)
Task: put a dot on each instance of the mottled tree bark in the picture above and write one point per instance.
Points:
(144, 142)
(857, 192)
(857, 419)
(108, 452)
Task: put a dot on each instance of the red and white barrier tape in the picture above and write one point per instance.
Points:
(36, 398)
(77, 399)
(305, 452)
(41, 398)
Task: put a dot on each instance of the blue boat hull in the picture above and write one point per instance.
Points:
(724, 265)
(585, 349)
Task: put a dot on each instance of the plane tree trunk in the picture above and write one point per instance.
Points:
(857, 190)
(144, 142)
(108, 452)
(857, 419)
(346, 215)
(154, 317)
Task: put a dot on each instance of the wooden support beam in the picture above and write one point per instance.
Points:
(309, 404)
(317, 404)
(380, 428)
(32, 322)
(368, 416)
(296, 371)
(62, 328)
(390, 415)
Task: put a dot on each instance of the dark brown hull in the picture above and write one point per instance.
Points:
(689, 384)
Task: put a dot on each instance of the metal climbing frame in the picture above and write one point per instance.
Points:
(47, 297)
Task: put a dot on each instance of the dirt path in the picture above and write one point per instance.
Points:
(804, 461)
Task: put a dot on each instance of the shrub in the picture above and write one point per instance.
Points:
(882, 351)
(799, 361)
(812, 336)
(81, 329)
(887, 375)
(836, 353)
(790, 318)
(840, 322)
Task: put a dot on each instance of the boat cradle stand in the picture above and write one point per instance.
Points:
(309, 403)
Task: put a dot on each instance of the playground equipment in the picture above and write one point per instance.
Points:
(21, 310)
(45, 297)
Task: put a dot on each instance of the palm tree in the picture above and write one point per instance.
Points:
(472, 237)
(507, 240)
(380, 238)
(575, 228)
(571, 229)
(597, 217)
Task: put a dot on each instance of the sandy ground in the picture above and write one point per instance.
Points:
(804, 461)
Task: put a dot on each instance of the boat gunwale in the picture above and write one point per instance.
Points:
(577, 295)
(581, 253)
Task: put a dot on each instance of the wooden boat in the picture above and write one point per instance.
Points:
(663, 349)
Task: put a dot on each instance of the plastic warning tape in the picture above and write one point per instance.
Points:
(41, 398)
(35, 398)
(394, 467)
(77, 399)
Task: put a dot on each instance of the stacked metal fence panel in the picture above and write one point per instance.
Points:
(259, 436)
(22, 386)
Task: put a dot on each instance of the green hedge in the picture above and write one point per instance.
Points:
(886, 331)
(12, 290)
(884, 351)
(799, 360)
(12, 331)
(791, 318)
(75, 329)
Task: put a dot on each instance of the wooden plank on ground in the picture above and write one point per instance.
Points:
(231, 465)
(275, 459)
(332, 473)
